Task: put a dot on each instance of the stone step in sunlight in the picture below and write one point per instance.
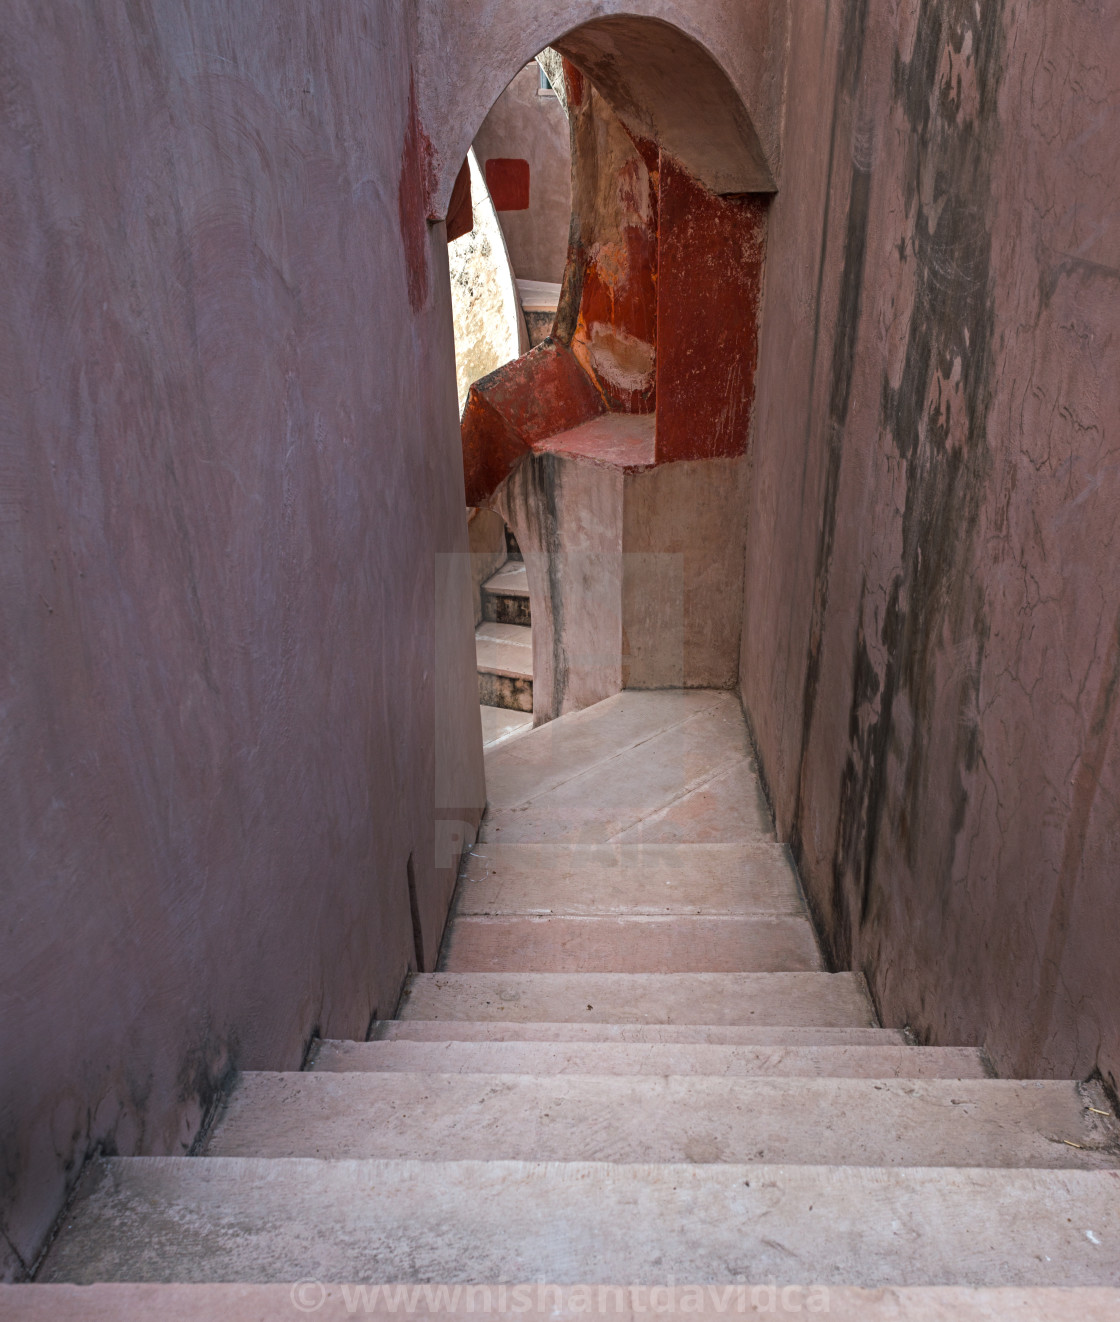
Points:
(504, 654)
(527, 1117)
(267, 1219)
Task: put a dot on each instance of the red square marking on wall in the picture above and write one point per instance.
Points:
(508, 182)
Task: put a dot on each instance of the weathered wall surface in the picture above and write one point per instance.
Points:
(683, 535)
(526, 125)
(931, 646)
(229, 465)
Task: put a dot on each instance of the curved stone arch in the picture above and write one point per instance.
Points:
(706, 86)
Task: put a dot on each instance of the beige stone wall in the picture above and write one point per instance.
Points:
(490, 328)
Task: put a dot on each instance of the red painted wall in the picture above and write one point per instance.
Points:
(709, 292)
(508, 181)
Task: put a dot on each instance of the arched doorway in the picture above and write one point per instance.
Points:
(616, 449)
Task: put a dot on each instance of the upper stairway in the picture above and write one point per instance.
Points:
(631, 1068)
(504, 654)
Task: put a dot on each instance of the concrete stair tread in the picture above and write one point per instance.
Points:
(500, 724)
(644, 1119)
(676, 772)
(709, 879)
(623, 944)
(751, 1035)
(510, 581)
(654, 1058)
(576, 744)
(505, 649)
(260, 1220)
(334, 1302)
(822, 1000)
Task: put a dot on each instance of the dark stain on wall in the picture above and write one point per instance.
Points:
(935, 419)
(843, 358)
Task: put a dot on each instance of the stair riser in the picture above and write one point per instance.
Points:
(452, 1030)
(504, 691)
(660, 1060)
(501, 609)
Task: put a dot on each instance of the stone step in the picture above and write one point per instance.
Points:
(499, 724)
(535, 1302)
(505, 595)
(709, 879)
(575, 944)
(504, 654)
(636, 1118)
(254, 1220)
(658, 1058)
(639, 768)
(748, 1035)
(810, 1000)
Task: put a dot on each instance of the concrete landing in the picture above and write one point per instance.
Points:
(641, 768)
(500, 724)
(259, 1220)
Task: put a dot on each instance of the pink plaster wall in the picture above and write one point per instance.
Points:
(524, 124)
(236, 672)
(931, 648)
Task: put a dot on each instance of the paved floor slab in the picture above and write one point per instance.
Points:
(253, 1220)
(694, 732)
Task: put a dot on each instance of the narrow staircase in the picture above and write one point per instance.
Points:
(504, 649)
(631, 1069)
